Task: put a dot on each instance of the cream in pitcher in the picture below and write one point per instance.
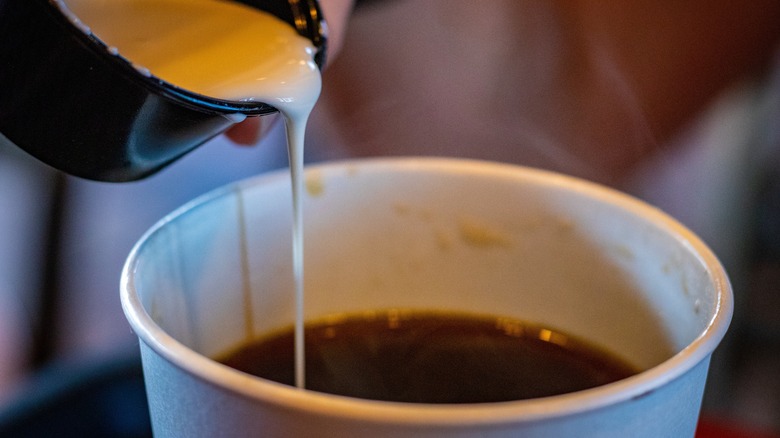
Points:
(224, 50)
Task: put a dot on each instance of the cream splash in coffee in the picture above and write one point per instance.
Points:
(223, 50)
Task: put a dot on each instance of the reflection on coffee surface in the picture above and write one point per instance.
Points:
(428, 357)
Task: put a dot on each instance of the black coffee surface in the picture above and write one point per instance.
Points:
(433, 358)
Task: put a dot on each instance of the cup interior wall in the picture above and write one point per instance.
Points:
(486, 240)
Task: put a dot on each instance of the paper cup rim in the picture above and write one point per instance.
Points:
(637, 386)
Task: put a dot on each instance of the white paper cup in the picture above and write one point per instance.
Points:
(414, 233)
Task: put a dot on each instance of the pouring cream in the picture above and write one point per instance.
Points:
(223, 50)
(216, 48)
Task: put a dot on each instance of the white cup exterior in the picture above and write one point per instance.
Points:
(425, 233)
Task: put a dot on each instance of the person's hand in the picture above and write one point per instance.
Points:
(336, 13)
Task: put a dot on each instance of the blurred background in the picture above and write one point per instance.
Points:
(677, 103)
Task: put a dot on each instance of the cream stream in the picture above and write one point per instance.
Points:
(228, 51)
